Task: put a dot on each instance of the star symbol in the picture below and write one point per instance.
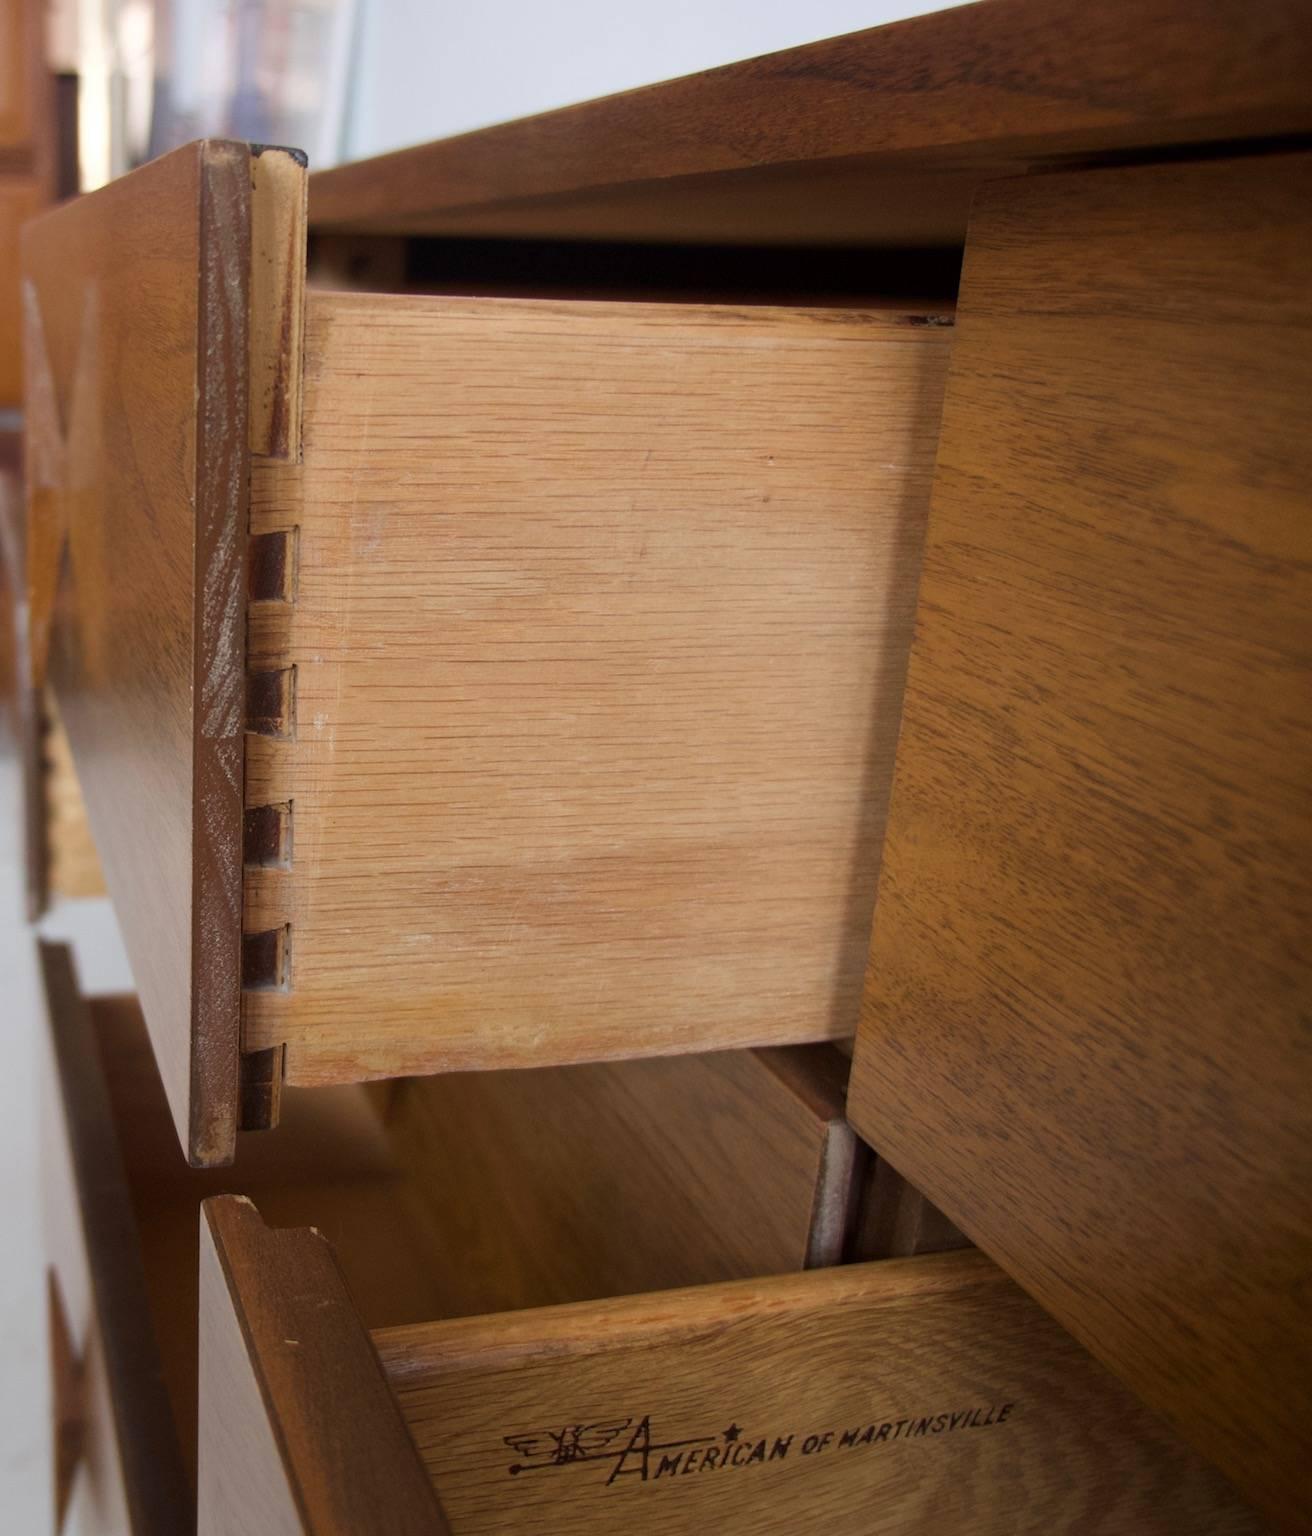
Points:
(732, 1433)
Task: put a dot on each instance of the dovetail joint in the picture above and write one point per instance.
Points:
(266, 959)
(267, 836)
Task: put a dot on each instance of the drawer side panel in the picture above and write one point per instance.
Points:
(598, 630)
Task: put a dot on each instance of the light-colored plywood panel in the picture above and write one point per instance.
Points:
(598, 624)
(1085, 1030)
(915, 1395)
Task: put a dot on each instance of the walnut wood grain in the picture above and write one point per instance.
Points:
(586, 696)
(1085, 1033)
(897, 1356)
(129, 1442)
(138, 378)
(880, 136)
(300, 1435)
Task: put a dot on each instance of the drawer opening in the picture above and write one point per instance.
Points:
(648, 271)
(484, 1193)
(929, 1386)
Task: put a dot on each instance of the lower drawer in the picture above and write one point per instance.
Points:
(352, 1397)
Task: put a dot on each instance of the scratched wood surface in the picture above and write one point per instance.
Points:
(138, 462)
(300, 1435)
(967, 1408)
(880, 137)
(582, 680)
(1085, 1027)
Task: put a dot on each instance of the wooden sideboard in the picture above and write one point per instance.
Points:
(522, 609)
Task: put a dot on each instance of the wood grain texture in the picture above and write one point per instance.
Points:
(879, 136)
(581, 1182)
(138, 378)
(134, 1476)
(965, 1407)
(430, 1215)
(277, 300)
(1085, 1027)
(594, 661)
(137, 388)
(300, 1435)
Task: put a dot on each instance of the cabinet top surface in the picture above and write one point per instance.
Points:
(875, 138)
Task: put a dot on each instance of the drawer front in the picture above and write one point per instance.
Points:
(907, 1396)
(299, 1434)
(118, 1468)
(1085, 1031)
(145, 394)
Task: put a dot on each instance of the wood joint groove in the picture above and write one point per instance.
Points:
(266, 960)
(271, 702)
(271, 571)
(267, 836)
(260, 1088)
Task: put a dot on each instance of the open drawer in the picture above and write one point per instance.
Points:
(353, 1388)
(461, 683)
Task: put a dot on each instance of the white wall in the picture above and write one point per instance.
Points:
(424, 69)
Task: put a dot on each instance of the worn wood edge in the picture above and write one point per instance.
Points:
(156, 1486)
(277, 354)
(816, 1075)
(277, 299)
(351, 1464)
(677, 1317)
(685, 319)
(943, 79)
(222, 494)
(837, 1191)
